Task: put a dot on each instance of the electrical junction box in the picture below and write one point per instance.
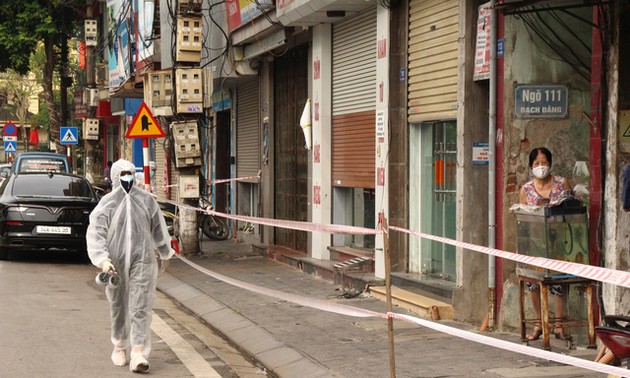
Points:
(91, 33)
(158, 92)
(189, 94)
(187, 147)
(189, 37)
(90, 128)
(90, 97)
(188, 186)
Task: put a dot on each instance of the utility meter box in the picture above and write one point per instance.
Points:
(90, 128)
(90, 96)
(188, 83)
(187, 148)
(558, 232)
(158, 92)
(91, 32)
(188, 186)
(189, 37)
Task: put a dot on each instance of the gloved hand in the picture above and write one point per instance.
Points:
(106, 265)
(162, 257)
(163, 266)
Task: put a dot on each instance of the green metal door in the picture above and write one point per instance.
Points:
(433, 166)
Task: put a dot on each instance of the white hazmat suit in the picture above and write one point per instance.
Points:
(127, 229)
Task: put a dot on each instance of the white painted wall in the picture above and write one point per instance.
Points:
(321, 102)
(382, 132)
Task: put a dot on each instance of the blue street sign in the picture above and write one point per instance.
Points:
(69, 135)
(10, 129)
(10, 146)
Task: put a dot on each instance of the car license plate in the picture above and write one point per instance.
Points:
(53, 230)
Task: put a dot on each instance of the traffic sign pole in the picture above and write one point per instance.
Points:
(145, 158)
(68, 154)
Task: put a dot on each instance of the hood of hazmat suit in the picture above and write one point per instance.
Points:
(128, 229)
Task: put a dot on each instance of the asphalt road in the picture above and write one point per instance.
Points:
(55, 323)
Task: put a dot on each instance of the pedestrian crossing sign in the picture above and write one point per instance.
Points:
(69, 135)
(144, 125)
(10, 146)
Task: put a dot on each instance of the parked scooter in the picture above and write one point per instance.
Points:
(212, 226)
(615, 335)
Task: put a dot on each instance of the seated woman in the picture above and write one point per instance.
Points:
(543, 189)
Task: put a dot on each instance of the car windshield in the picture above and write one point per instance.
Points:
(41, 165)
(51, 186)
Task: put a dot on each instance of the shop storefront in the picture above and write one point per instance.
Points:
(432, 116)
(353, 120)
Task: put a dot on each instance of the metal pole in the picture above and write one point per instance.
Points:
(492, 119)
(68, 154)
(145, 163)
(388, 291)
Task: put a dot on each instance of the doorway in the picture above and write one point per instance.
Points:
(433, 166)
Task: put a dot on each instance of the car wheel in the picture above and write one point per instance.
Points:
(4, 253)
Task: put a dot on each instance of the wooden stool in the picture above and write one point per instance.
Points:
(544, 282)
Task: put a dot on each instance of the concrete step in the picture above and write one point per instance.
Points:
(340, 253)
(419, 304)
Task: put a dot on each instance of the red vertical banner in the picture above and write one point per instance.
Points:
(317, 196)
(316, 153)
(382, 48)
(380, 176)
(316, 69)
(316, 111)
(439, 172)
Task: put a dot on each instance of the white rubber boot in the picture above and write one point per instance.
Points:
(139, 364)
(119, 357)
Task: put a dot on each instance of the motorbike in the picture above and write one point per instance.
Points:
(211, 226)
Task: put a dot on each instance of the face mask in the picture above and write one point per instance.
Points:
(126, 182)
(541, 171)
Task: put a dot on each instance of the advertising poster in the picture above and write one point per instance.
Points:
(118, 12)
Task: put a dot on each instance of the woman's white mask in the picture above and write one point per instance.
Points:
(541, 171)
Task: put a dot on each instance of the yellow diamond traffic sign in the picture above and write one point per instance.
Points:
(144, 125)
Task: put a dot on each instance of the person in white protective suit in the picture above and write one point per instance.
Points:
(125, 232)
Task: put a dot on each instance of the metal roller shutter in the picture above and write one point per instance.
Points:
(354, 100)
(354, 64)
(247, 143)
(433, 44)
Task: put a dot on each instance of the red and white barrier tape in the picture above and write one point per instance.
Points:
(300, 226)
(595, 273)
(303, 301)
(514, 347)
(221, 181)
(363, 313)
